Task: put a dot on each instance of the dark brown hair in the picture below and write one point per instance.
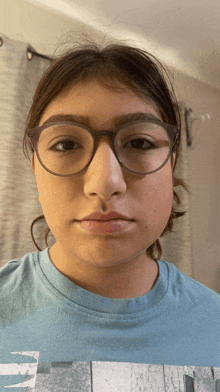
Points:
(137, 69)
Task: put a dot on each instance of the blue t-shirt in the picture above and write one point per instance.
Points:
(54, 333)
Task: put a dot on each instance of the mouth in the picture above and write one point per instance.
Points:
(102, 220)
(105, 226)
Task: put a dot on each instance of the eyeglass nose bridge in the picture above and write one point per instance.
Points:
(97, 136)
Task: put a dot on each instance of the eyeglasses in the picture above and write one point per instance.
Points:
(67, 148)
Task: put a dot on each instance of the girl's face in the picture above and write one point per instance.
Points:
(104, 186)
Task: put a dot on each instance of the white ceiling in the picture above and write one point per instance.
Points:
(184, 34)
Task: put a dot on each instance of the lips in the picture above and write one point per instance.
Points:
(105, 217)
(106, 228)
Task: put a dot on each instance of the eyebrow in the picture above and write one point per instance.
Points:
(118, 121)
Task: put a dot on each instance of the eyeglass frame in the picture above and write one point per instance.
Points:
(172, 131)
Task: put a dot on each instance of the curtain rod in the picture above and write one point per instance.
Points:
(33, 52)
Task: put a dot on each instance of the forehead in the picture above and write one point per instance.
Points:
(98, 103)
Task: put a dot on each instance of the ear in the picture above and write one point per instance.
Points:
(32, 163)
(174, 158)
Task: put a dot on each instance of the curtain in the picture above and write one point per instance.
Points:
(19, 204)
(20, 73)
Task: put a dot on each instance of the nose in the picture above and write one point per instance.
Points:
(104, 176)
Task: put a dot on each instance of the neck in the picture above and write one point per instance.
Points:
(128, 279)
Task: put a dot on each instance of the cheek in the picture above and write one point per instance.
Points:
(160, 197)
(48, 198)
(50, 194)
(58, 197)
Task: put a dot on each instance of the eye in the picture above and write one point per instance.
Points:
(138, 143)
(66, 143)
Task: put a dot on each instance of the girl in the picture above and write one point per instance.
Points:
(104, 133)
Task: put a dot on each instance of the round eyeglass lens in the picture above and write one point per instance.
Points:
(65, 149)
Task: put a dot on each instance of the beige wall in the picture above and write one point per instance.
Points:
(43, 29)
(204, 170)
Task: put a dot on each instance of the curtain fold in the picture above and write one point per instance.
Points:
(19, 204)
(177, 246)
